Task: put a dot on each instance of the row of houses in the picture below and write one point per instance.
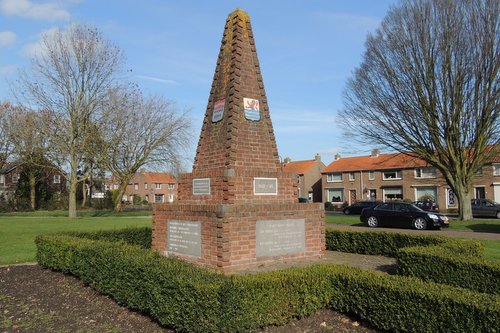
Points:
(386, 177)
(377, 176)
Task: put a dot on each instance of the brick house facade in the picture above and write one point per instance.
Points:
(399, 177)
(154, 187)
(11, 172)
(309, 177)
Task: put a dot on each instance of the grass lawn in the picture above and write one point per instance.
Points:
(80, 213)
(17, 233)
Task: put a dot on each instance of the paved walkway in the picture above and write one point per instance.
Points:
(442, 232)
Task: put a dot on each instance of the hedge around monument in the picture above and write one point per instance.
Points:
(439, 259)
(192, 299)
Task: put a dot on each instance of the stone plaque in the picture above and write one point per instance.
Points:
(218, 112)
(252, 109)
(265, 186)
(201, 186)
(184, 237)
(280, 237)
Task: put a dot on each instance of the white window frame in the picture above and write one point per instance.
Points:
(157, 186)
(330, 179)
(136, 186)
(57, 179)
(420, 173)
(352, 176)
(162, 198)
(371, 175)
(171, 186)
(335, 189)
(145, 186)
(15, 177)
(398, 174)
(2, 179)
(496, 169)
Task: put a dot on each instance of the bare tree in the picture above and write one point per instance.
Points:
(428, 87)
(141, 131)
(29, 145)
(5, 142)
(69, 79)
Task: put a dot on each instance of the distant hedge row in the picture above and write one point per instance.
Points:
(191, 299)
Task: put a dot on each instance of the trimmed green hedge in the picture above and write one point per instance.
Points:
(432, 258)
(436, 263)
(191, 299)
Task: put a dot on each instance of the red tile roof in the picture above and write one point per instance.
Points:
(380, 162)
(299, 167)
(161, 178)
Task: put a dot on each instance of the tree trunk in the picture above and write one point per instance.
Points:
(118, 199)
(464, 201)
(32, 181)
(73, 182)
(84, 195)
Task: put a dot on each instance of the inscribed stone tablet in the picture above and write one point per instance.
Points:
(265, 186)
(184, 237)
(201, 186)
(280, 237)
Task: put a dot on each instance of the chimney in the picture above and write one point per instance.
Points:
(337, 157)
(375, 153)
(317, 157)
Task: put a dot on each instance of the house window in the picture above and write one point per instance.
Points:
(479, 172)
(426, 193)
(136, 186)
(170, 198)
(334, 177)
(393, 193)
(158, 186)
(115, 186)
(335, 195)
(2, 179)
(496, 169)
(159, 198)
(57, 179)
(15, 177)
(391, 175)
(352, 176)
(371, 175)
(171, 186)
(427, 172)
(145, 186)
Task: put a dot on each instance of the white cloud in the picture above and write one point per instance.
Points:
(36, 48)
(7, 38)
(48, 11)
(7, 69)
(157, 79)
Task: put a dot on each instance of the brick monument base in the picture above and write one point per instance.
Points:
(233, 237)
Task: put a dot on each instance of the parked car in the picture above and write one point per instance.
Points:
(485, 207)
(357, 207)
(428, 205)
(402, 214)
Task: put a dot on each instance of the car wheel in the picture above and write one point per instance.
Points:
(372, 222)
(420, 223)
(346, 211)
(498, 215)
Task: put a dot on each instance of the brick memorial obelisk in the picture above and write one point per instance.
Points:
(237, 209)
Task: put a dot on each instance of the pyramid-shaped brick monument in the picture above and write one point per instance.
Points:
(238, 209)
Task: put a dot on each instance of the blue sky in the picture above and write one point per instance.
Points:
(306, 49)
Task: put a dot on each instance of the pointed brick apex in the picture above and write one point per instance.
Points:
(238, 13)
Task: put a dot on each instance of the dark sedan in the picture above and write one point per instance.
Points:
(485, 207)
(357, 207)
(401, 214)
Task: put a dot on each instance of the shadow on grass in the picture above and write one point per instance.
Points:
(483, 227)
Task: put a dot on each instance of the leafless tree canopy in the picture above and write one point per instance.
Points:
(428, 86)
(142, 131)
(5, 143)
(69, 79)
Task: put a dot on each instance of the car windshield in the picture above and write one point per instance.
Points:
(413, 208)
